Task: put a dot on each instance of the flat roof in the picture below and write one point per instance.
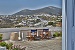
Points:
(19, 29)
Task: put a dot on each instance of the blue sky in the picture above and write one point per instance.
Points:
(12, 6)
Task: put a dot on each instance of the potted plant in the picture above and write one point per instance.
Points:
(57, 35)
(8, 46)
(3, 44)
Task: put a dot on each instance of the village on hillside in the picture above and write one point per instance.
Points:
(42, 20)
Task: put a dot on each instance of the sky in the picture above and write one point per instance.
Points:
(8, 7)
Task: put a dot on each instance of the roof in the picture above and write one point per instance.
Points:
(18, 29)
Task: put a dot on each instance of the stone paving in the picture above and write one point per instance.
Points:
(52, 44)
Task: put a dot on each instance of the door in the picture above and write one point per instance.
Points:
(70, 11)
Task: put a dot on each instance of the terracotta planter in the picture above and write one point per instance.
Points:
(0, 40)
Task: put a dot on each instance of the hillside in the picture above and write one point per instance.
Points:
(46, 10)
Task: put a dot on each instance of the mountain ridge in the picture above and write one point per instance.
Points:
(46, 10)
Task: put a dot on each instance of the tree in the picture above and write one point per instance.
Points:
(50, 23)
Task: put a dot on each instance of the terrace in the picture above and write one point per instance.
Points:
(32, 38)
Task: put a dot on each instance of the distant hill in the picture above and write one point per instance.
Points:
(46, 10)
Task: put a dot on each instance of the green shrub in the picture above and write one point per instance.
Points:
(1, 36)
(54, 35)
(57, 34)
(3, 44)
(50, 23)
(8, 46)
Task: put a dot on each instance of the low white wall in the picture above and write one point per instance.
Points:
(6, 36)
(7, 31)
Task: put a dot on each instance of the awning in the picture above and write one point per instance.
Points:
(45, 29)
(34, 30)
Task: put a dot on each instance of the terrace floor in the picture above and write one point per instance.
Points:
(52, 44)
